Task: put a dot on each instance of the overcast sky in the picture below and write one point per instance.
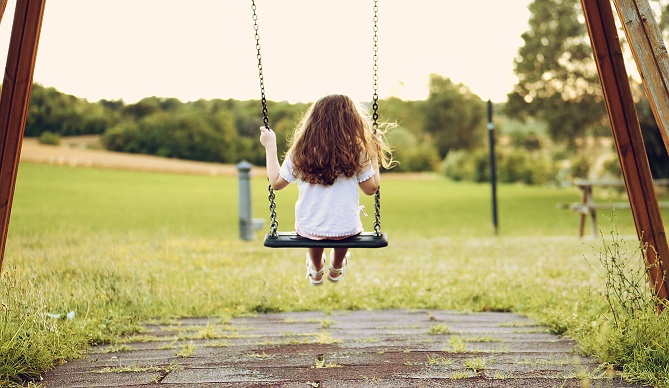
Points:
(130, 49)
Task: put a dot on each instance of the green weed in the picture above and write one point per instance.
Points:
(630, 334)
(186, 350)
(439, 329)
(457, 344)
(436, 360)
(477, 365)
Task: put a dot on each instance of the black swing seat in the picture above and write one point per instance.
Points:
(293, 240)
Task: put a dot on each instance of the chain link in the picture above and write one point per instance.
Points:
(265, 117)
(375, 114)
(377, 213)
(375, 97)
(274, 224)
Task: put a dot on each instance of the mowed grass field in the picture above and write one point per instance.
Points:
(49, 199)
(116, 249)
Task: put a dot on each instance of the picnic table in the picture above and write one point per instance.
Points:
(588, 207)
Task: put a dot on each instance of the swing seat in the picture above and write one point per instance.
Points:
(293, 240)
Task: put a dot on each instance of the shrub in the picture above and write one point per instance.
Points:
(412, 153)
(515, 166)
(611, 169)
(526, 140)
(580, 167)
(459, 165)
(49, 138)
(519, 166)
(423, 157)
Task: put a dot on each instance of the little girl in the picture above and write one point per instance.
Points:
(332, 153)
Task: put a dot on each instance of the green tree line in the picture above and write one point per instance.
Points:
(552, 114)
(226, 131)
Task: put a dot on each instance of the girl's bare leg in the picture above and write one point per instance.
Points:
(338, 259)
(316, 255)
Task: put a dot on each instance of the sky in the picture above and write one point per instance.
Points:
(131, 49)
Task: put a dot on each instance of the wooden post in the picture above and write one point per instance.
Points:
(650, 55)
(16, 87)
(3, 5)
(628, 140)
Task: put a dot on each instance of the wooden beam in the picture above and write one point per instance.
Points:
(650, 55)
(628, 140)
(3, 6)
(16, 87)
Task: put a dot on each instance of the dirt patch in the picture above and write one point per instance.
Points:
(84, 151)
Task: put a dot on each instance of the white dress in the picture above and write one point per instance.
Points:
(327, 212)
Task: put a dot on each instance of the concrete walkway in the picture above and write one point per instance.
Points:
(386, 348)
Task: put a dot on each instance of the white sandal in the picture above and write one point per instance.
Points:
(311, 272)
(338, 271)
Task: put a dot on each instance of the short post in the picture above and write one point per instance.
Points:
(246, 230)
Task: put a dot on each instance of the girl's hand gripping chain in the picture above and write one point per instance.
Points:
(267, 138)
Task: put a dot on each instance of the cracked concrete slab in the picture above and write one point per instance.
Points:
(380, 348)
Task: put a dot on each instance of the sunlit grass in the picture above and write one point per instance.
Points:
(121, 248)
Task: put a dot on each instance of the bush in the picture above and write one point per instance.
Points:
(529, 141)
(515, 166)
(423, 157)
(49, 138)
(580, 167)
(185, 135)
(473, 166)
(612, 169)
(411, 153)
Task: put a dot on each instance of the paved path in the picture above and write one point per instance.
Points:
(387, 348)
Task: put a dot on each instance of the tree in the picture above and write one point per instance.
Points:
(143, 108)
(557, 77)
(56, 112)
(453, 116)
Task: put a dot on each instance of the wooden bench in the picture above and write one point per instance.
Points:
(588, 206)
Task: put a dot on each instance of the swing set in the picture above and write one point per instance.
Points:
(642, 32)
(275, 239)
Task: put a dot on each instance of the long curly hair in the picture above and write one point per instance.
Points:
(335, 138)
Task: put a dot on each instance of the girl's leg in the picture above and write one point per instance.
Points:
(338, 259)
(316, 255)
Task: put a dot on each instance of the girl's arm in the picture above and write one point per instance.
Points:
(268, 140)
(372, 184)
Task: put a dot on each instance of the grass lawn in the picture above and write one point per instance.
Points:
(119, 248)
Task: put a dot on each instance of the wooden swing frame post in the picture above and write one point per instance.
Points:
(650, 55)
(15, 99)
(629, 142)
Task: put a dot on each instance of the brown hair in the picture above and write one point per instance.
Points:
(334, 138)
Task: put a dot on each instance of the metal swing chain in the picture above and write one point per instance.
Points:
(375, 115)
(375, 97)
(274, 224)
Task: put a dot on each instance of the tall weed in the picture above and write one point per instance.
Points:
(631, 334)
(27, 334)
